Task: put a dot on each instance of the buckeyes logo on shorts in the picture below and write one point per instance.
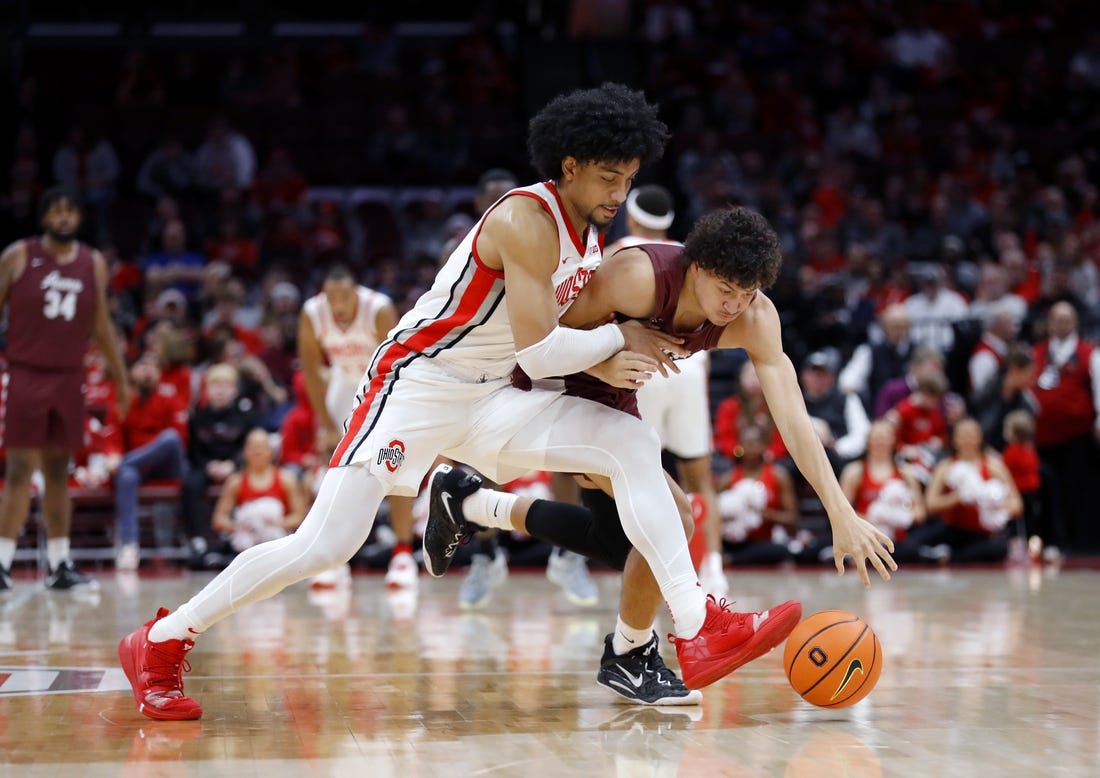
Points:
(393, 455)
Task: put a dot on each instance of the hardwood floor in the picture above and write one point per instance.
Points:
(987, 672)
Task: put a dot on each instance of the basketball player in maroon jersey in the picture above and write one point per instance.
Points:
(707, 293)
(56, 291)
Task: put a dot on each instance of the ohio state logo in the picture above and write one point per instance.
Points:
(393, 455)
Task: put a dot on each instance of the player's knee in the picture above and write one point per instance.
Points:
(641, 451)
(127, 477)
(617, 557)
(55, 469)
(18, 470)
(320, 558)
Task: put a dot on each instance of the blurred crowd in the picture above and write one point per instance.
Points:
(931, 169)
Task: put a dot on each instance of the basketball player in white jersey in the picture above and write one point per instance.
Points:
(341, 327)
(441, 383)
(679, 406)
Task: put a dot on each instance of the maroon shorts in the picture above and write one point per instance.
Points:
(43, 409)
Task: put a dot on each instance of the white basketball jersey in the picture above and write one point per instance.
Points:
(348, 349)
(462, 322)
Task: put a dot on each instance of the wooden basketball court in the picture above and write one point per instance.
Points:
(987, 672)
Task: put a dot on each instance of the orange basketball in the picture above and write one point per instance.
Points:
(833, 659)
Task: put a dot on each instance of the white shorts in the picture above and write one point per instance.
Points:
(404, 422)
(679, 407)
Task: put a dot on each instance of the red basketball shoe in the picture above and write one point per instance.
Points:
(155, 672)
(729, 639)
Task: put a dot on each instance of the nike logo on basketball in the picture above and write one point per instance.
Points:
(853, 666)
(758, 619)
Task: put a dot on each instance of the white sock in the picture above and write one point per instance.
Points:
(685, 598)
(490, 508)
(628, 638)
(57, 551)
(175, 626)
(7, 552)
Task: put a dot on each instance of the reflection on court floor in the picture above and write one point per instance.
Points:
(987, 671)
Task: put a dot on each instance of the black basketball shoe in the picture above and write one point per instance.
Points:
(641, 676)
(6, 584)
(447, 528)
(66, 578)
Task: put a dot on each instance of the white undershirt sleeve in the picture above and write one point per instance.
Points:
(564, 351)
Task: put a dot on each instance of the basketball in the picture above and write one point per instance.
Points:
(832, 659)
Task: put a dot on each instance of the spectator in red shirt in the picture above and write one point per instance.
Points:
(920, 424)
(747, 407)
(153, 436)
(174, 354)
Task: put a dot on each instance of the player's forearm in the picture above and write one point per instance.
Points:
(565, 351)
(784, 398)
(809, 456)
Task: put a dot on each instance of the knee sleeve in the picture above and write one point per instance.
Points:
(578, 528)
(607, 526)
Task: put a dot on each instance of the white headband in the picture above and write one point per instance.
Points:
(648, 220)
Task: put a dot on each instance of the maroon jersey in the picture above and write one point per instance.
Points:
(669, 273)
(50, 310)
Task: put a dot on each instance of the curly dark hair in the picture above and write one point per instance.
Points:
(611, 123)
(736, 244)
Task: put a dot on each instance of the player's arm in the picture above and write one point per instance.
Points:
(385, 318)
(757, 330)
(623, 284)
(105, 338)
(521, 239)
(222, 518)
(850, 478)
(313, 363)
(12, 262)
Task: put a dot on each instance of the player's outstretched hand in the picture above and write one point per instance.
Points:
(651, 342)
(625, 370)
(862, 541)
